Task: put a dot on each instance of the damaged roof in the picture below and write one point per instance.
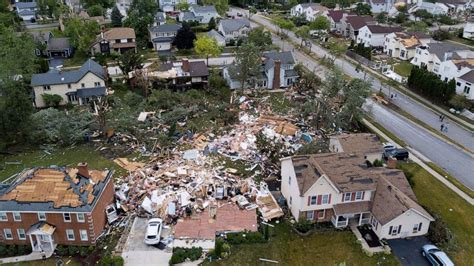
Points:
(390, 202)
(54, 189)
(359, 143)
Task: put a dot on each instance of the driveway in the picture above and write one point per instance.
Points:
(408, 251)
(136, 252)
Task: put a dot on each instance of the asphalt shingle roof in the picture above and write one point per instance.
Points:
(56, 44)
(57, 77)
(166, 28)
(440, 49)
(231, 25)
(469, 76)
(203, 9)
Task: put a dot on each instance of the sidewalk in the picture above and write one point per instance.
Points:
(30, 257)
(417, 160)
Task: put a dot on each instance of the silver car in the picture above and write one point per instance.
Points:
(436, 256)
(153, 231)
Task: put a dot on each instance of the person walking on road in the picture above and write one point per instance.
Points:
(442, 127)
(446, 128)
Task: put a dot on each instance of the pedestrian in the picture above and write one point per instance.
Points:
(440, 117)
(391, 95)
(446, 128)
(442, 127)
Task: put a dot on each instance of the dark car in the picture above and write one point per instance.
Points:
(399, 154)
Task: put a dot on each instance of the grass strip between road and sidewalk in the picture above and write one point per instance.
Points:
(451, 179)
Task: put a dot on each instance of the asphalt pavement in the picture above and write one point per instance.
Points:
(455, 161)
(408, 251)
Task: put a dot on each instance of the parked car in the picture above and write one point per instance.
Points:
(153, 231)
(387, 146)
(399, 154)
(434, 255)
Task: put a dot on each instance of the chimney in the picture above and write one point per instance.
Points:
(276, 75)
(83, 170)
(185, 65)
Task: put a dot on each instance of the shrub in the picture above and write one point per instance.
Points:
(3, 250)
(439, 233)
(440, 35)
(52, 100)
(181, 254)
(62, 250)
(111, 261)
(245, 238)
(73, 250)
(377, 163)
(303, 225)
(461, 102)
(11, 250)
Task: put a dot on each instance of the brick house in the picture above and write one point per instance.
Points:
(46, 207)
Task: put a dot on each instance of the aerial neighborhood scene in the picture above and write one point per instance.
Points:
(237, 132)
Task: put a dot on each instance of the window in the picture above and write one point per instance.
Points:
(325, 199)
(417, 227)
(313, 200)
(347, 196)
(83, 234)
(395, 230)
(41, 216)
(68, 86)
(3, 216)
(17, 217)
(21, 234)
(7, 232)
(83, 85)
(321, 214)
(97, 84)
(467, 89)
(72, 98)
(47, 88)
(70, 234)
(458, 84)
(67, 217)
(358, 195)
(80, 217)
(310, 215)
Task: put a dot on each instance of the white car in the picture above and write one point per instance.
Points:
(153, 231)
(387, 146)
(436, 256)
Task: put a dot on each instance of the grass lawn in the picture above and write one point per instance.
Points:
(456, 212)
(76, 61)
(324, 248)
(70, 156)
(403, 68)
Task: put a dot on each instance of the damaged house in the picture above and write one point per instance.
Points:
(179, 75)
(277, 72)
(46, 207)
(340, 188)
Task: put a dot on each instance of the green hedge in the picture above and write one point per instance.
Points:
(429, 85)
(14, 250)
(181, 254)
(245, 238)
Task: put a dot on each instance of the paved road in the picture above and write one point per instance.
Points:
(455, 161)
(422, 113)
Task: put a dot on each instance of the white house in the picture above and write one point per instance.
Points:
(75, 86)
(334, 17)
(233, 29)
(169, 5)
(351, 25)
(201, 14)
(338, 187)
(468, 31)
(309, 10)
(451, 69)
(374, 35)
(464, 85)
(217, 36)
(432, 54)
(26, 10)
(402, 45)
(432, 8)
(162, 36)
(277, 72)
(379, 6)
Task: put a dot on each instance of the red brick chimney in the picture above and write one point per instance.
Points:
(276, 75)
(185, 66)
(83, 170)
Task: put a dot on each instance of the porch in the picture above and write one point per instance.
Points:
(354, 213)
(41, 237)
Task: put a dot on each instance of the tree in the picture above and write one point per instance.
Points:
(284, 24)
(212, 24)
(401, 18)
(15, 113)
(381, 17)
(418, 26)
(17, 55)
(184, 38)
(260, 37)
(402, 8)
(247, 64)
(363, 9)
(116, 17)
(303, 33)
(95, 10)
(129, 61)
(440, 35)
(82, 33)
(461, 102)
(140, 16)
(102, 3)
(423, 14)
(320, 23)
(206, 46)
(52, 100)
(47, 7)
(182, 6)
(221, 5)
